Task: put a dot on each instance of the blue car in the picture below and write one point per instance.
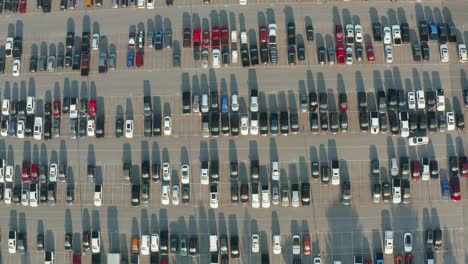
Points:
(130, 59)
(12, 126)
(445, 189)
(158, 40)
(433, 32)
(224, 104)
(379, 259)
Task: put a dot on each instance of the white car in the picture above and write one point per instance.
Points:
(408, 242)
(296, 245)
(150, 4)
(418, 141)
(242, 2)
(275, 171)
(98, 195)
(444, 55)
(16, 68)
(374, 124)
(96, 242)
(440, 100)
(95, 41)
(155, 243)
(9, 47)
(175, 195)
(277, 244)
(6, 107)
(450, 121)
(214, 203)
(396, 194)
(349, 55)
(185, 171)
(25, 198)
(204, 179)
(358, 31)
(38, 128)
(8, 194)
(53, 172)
(216, 58)
(255, 200)
(91, 128)
(387, 35)
(244, 125)
(462, 53)
(129, 129)
(2, 170)
(411, 101)
(255, 243)
(234, 102)
(167, 125)
(166, 168)
(20, 129)
(12, 242)
(165, 194)
(265, 198)
(141, 3)
(254, 126)
(295, 198)
(349, 34)
(388, 54)
(396, 35)
(145, 244)
(335, 176)
(317, 260)
(421, 99)
(254, 104)
(9, 173)
(404, 126)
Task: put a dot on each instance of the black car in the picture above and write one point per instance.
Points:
(452, 32)
(40, 242)
(405, 32)
(225, 129)
(294, 120)
(2, 65)
(234, 121)
(392, 99)
(359, 52)
(310, 33)
(234, 191)
(135, 195)
(313, 102)
(305, 194)
(443, 34)
(343, 121)
(323, 102)
(362, 101)
(465, 97)
(291, 55)
(274, 124)
(300, 52)
(33, 64)
(264, 53)
(422, 123)
(334, 122)
(263, 123)
(432, 121)
(245, 56)
(214, 124)
(284, 123)
(169, 2)
(193, 245)
(174, 246)
(425, 51)
(225, 56)
(234, 246)
(321, 55)
(43, 194)
(1, 7)
(324, 121)
(7, 6)
(47, 128)
(157, 124)
(46, 6)
(76, 60)
(423, 30)
(393, 122)
(254, 55)
(119, 126)
(416, 52)
(314, 123)
(364, 121)
(377, 31)
(460, 120)
(82, 129)
(291, 29)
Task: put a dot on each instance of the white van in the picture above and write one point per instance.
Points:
(145, 244)
(6, 107)
(214, 243)
(30, 105)
(388, 242)
(205, 104)
(38, 128)
(244, 38)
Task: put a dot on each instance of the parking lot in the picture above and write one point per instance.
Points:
(338, 232)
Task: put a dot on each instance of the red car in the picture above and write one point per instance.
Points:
(340, 53)
(339, 33)
(22, 6)
(57, 109)
(196, 38)
(225, 36)
(139, 58)
(307, 245)
(215, 37)
(206, 39)
(35, 172)
(25, 171)
(409, 259)
(343, 102)
(416, 170)
(263, 34)
(370, 53)
(455, 185)
(92, 107)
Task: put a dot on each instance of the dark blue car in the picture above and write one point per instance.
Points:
(158, 40)
(130, 59)
(12, 126)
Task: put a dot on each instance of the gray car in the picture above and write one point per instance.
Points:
(176, 58)
(145, 192)
(168, 39)
(112, 61)
(51, 64)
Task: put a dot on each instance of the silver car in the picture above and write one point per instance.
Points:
(275, 194)
(285, 197)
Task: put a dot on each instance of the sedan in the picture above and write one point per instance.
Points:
(175, 195)
(444, 55)
(358, 31)
(255, 243)
(349, 55)
(185, 170)
(16, 68)
(389, 54)
(296, 247)
(370, 53)
(276, 244)
(167, 125)
(450, 121)
(216, 58)
(244, 125)
(408, 242)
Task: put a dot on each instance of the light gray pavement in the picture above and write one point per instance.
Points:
(337, 232)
